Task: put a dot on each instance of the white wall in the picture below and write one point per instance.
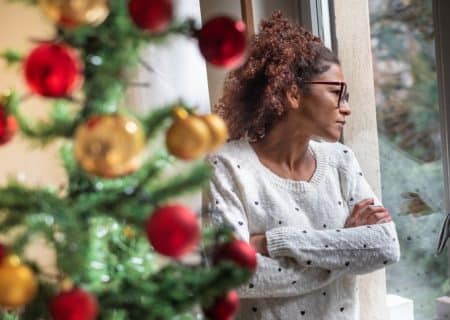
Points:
(179, 70)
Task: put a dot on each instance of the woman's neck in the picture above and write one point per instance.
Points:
(286, 153)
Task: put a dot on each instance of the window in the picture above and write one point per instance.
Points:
(408, 119)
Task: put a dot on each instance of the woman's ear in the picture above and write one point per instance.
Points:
(293, 97)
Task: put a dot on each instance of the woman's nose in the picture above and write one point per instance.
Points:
(345, 109)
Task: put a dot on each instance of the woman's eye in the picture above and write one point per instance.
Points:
(336, 92)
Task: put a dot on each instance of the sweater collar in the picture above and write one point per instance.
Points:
(295, 185)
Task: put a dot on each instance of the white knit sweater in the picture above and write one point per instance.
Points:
(314, 260)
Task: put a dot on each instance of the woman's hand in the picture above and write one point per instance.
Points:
(366, 213)
(259, 242)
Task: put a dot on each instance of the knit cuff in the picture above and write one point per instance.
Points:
(276, 242)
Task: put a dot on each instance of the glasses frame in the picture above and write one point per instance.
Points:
(342, 91)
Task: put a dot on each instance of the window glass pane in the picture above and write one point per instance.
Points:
(410, 146)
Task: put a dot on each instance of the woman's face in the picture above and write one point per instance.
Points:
(318, 108)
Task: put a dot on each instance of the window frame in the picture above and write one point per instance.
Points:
(441, 12)
(315, 15)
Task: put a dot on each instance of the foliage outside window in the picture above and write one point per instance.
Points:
(408, 116)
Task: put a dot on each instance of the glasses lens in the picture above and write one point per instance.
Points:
(344, 95)
(341, 92)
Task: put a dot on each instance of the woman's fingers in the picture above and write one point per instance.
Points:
(259, 242)
(353, 219)
(366, 213)
(372, 210)
(374, 218)
(385, 220)
(382, 215)
(362, 204)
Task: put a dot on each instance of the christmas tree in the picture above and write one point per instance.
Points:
(120, 241)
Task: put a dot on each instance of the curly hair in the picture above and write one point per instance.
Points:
(281, 55)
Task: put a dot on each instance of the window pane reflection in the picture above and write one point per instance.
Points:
(410, 146)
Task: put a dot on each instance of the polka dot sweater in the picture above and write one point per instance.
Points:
(313, 261)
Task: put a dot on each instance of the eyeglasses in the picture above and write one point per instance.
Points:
(343, 93)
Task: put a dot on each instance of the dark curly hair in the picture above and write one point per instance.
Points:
(281, 55)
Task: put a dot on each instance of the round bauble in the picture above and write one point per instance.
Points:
(188, 137)
(239, 252)
(53, 70)
(8, 125)
(173, 230)
(75, 304)
(151, 15)
(223, 308)
(18, 284)
(223, 42)
(73, 13)
(109, 145)
(218, 130)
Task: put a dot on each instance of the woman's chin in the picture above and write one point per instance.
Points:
(331, 137)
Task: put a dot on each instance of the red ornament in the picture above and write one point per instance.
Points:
(222, 42)
(173, 230)
(2, 252)
(223, 308)
(238, 251)
(75, 304)
(152, 15)
(53, 70)
(8, 126)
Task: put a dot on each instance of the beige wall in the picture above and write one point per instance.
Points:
(34, 166)
(354, 50)
(19, 25)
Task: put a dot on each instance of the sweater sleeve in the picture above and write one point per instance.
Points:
(357, 250)
(274, 277)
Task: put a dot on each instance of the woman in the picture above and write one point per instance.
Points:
(304, 205)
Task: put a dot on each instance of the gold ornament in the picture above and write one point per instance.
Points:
(73, 13)
(109, 145)
(129, 232)
(66, 284)
(188, 137)
(18, 285)
(218, 130)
